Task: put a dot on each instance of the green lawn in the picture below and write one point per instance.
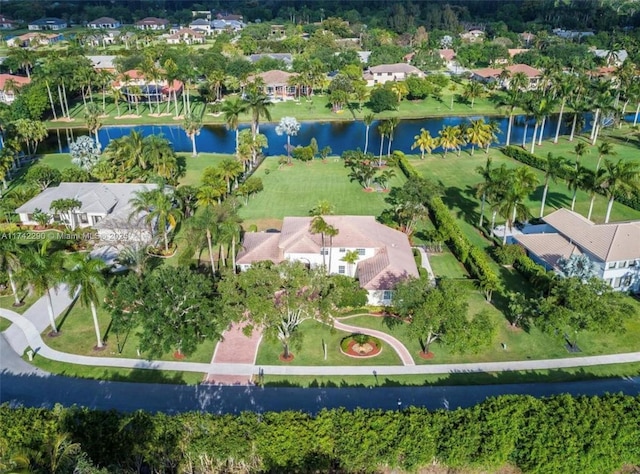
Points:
(77, 336)
(446, 265)
(481, 378)
(196, 165)
(312, 334)
(28, 299)
(118, 375)
(294, 190)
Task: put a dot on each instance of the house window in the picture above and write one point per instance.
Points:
(83, 218)
(341, 269)
(387, 295)
(324, 252)
(361, 251)
(633, 263)
(626, 281)
(611, 265)
(616, 282)
(624, 264)
(96, 219)
(343, 250)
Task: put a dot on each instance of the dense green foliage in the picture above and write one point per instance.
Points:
(560, 435)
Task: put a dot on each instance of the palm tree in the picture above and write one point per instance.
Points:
(134, 257)
(319, 226)
(258, 104)
(322, 208)
(622, 179)
(575, 179)
(117, 96)
(11, 255)
(43, 271)
(510, 101)
(229, 170)
(231, 110)
(331, 232)
(592, 184)
(580, 150)
(92, 117)
(553, 168)
(203, 224)
(522, 182)
(84, 278)
(425, 142)
(604, 149)
(192, 126)
(368, 120)
(384, 128)
(159, 208)
(350, 257)
(473, 90)
(393, 123)
(542, 109)
(449, 138)
(563, 86)
(485, 186)
(477, 134)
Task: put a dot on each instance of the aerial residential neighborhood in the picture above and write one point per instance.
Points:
(318, 236)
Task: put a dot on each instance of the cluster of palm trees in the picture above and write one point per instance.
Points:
(477, 133)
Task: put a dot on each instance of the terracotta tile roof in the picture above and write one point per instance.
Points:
(548, 247)
(530, 72)
(185, 31)
(259, 246)
(151, 20)
(395, 68)
(19, 80)
(447, 54)
(273, 77)
(514, 51)
(608, 242)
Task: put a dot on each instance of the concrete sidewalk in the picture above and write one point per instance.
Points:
(32, 336)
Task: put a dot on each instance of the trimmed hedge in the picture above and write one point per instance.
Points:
(538, 162)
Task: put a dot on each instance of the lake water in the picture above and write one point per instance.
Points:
(340, 136)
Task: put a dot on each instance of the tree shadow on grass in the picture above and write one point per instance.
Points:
(457, 200)
(66, 314)
(144, 376)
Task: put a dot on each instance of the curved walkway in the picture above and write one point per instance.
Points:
(34, 340)
(401, 350)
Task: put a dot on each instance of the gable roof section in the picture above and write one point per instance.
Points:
(104, 20)
(274, 77)
(608, 242)
(259, 246)
(18, 80)
(395, 68)
(548, 247)
(152, 20)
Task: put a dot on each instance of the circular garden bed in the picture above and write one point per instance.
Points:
(361, 346)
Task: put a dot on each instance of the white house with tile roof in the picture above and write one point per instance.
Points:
(384, 254)
(613, 247)
(104, 207)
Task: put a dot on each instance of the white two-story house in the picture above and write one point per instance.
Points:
(384, 256)
(390, 72)
(614, 248)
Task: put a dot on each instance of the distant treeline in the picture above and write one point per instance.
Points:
(556, 435)
(400, 16)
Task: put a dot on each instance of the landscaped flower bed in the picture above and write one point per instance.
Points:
(361, 345)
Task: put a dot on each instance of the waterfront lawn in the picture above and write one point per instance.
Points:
(294, 190)
(521, 345)
(77, 336)
(117, 374)
(312, 335)
(196, 165)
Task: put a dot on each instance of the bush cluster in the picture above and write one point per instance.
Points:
(598, 435)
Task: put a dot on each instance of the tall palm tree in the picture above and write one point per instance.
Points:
(449, 138)
(477, 134)
(592, 184)
(229, 169)
(393, 124)
(575, 179)
(384, 128)
(483, 188)
(580, 150)
(330, 232)
(231, 110)
(544, 108)
(192, 126)
(319, 226)
(622, 179)
(158, 206)
(604, 149)
(563, 86)
(425, 142)
(134, 257)
(43, 271)
(202, 227)
(92, 117)
(522, 182)
(11, 255)
(258, 104)
(84, 278)
(511, 100)
(472, 91)
(553, 168)
(350, 258)
(368, 120)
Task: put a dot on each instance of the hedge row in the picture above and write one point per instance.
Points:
(557, 435)
(474, 259)
(538, 162)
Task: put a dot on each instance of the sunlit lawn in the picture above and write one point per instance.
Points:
(294, 190)
(310, 352)
(196, 165)
(28, 299)
(77, 336)
(445, 265)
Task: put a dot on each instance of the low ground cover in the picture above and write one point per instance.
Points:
(294, 190)
(313, 335)
(7, 301)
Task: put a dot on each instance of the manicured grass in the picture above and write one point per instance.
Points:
(117, 375)
(77, 336)
(481, 378)
(294, 190)
(4, 324)
(6, 302)
(196, 165)
(446, 265)
(310, 352)
(521, 345)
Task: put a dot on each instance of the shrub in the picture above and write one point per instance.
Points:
(507, 254)
(382, 99)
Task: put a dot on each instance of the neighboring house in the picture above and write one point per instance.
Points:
(137, 88)
(9, 84)
(611, 58)
(105, 23)
(385, 256)
(229, 17)
(613, 247)
(276, 85)
(527, 38)
(34, 39)
(363, 56)
(7, 24)
(201, 25)
(152, 23)
(448, 55)
(105, 63)
(186, 36)
(284, 57)
(569, 34)
(102, 39)
(226, 26)
(473, 36)
(512, 53)
(489, 74)
(105, 208)
(48, 24)
(390, 72)
(277, 32)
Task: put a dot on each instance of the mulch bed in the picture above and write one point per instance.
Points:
(426, 355)
(353, 353)
(178, 355)
(286, 359)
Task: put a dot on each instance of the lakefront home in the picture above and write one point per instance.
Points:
(384, 254)
(104, 23)
(48, 24)
(390, 72)
(9, 85)
(152, 23)
(488, 74)
(614, 248)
